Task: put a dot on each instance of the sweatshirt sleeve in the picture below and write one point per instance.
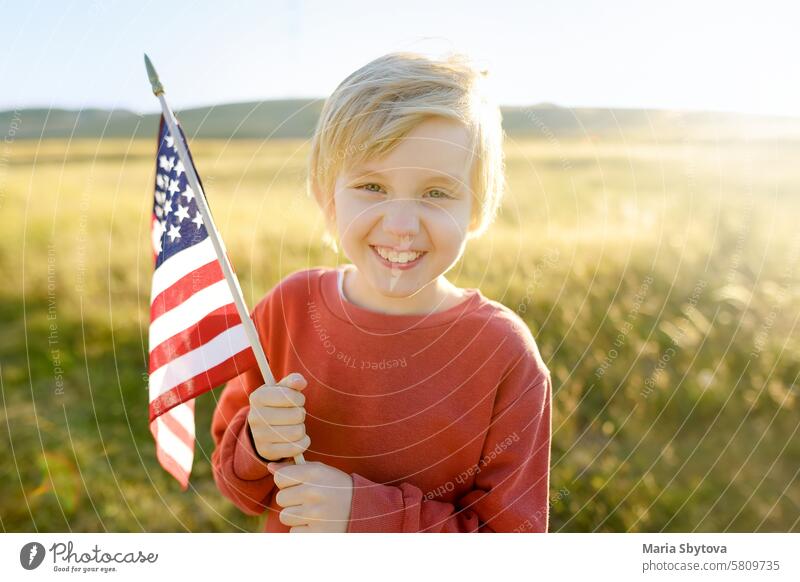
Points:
(240, 472)
(510, 488)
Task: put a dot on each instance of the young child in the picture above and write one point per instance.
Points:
(419, 406)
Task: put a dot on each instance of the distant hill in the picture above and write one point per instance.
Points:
(296, 118)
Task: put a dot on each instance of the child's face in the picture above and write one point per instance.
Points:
(415, 201)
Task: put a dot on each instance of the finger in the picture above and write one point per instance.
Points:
(285, 450)
(274, 466)
(289, 433)
(289, 475)
(292, 516)
(300, 529)
(278, 396)
(272, 416)
(295, 381)
(297, 495)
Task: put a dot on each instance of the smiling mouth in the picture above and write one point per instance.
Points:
(399, 259)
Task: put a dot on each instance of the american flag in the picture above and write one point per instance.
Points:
(197, 340)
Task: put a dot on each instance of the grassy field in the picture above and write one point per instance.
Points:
(660, 280)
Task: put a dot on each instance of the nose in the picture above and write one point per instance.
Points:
(400, 219)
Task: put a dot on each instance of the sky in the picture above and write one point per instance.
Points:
(696, 55)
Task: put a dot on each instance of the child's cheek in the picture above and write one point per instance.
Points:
(448, 223)
(349, 212)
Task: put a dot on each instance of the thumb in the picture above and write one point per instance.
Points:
(275, 465)
(296, 381)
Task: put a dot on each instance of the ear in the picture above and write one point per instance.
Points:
(330, 214)
(332, 211)
(328, 208)
(474, 222)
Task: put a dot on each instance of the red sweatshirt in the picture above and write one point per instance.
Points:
(443, 420)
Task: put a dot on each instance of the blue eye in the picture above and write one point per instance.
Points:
(438, 194)
(371, 187)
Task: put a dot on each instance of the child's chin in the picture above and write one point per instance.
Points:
(396, 285)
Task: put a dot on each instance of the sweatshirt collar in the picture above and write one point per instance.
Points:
(361, 317)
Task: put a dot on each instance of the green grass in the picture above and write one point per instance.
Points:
(711, 445)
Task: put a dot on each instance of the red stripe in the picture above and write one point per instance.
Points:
(168, 463)
(177, 428)
(203, 382)
(195, 336)
(173, 468)
(185, 287)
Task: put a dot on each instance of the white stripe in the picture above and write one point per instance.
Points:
(189, 312)
(174, 447)
(180, 265)
(183, 415)
(227, 344)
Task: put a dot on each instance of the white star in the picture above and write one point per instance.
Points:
(160, 180)
(164, 163)
(189, 193)
(159, 211)
(198, 220)
(173, 187)
(158, 231)
(167, 207)
(170, 141)
(179, 169)
(174, 232)
(183, 212)
(160, 196)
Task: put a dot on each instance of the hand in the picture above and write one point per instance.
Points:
(316, 497)
(277, 419)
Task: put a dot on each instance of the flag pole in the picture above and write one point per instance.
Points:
(213, 234)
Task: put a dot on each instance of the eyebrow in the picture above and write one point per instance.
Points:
(361, 173)
(364, 173)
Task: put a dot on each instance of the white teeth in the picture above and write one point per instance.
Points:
(395, 257)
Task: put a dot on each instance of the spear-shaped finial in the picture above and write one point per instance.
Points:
(151, 73)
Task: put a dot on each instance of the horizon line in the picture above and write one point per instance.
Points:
(542, 104)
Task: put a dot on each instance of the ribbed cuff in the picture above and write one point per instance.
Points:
(375, 507)
(248, 465)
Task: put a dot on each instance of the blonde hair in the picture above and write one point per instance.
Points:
(380, 103)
